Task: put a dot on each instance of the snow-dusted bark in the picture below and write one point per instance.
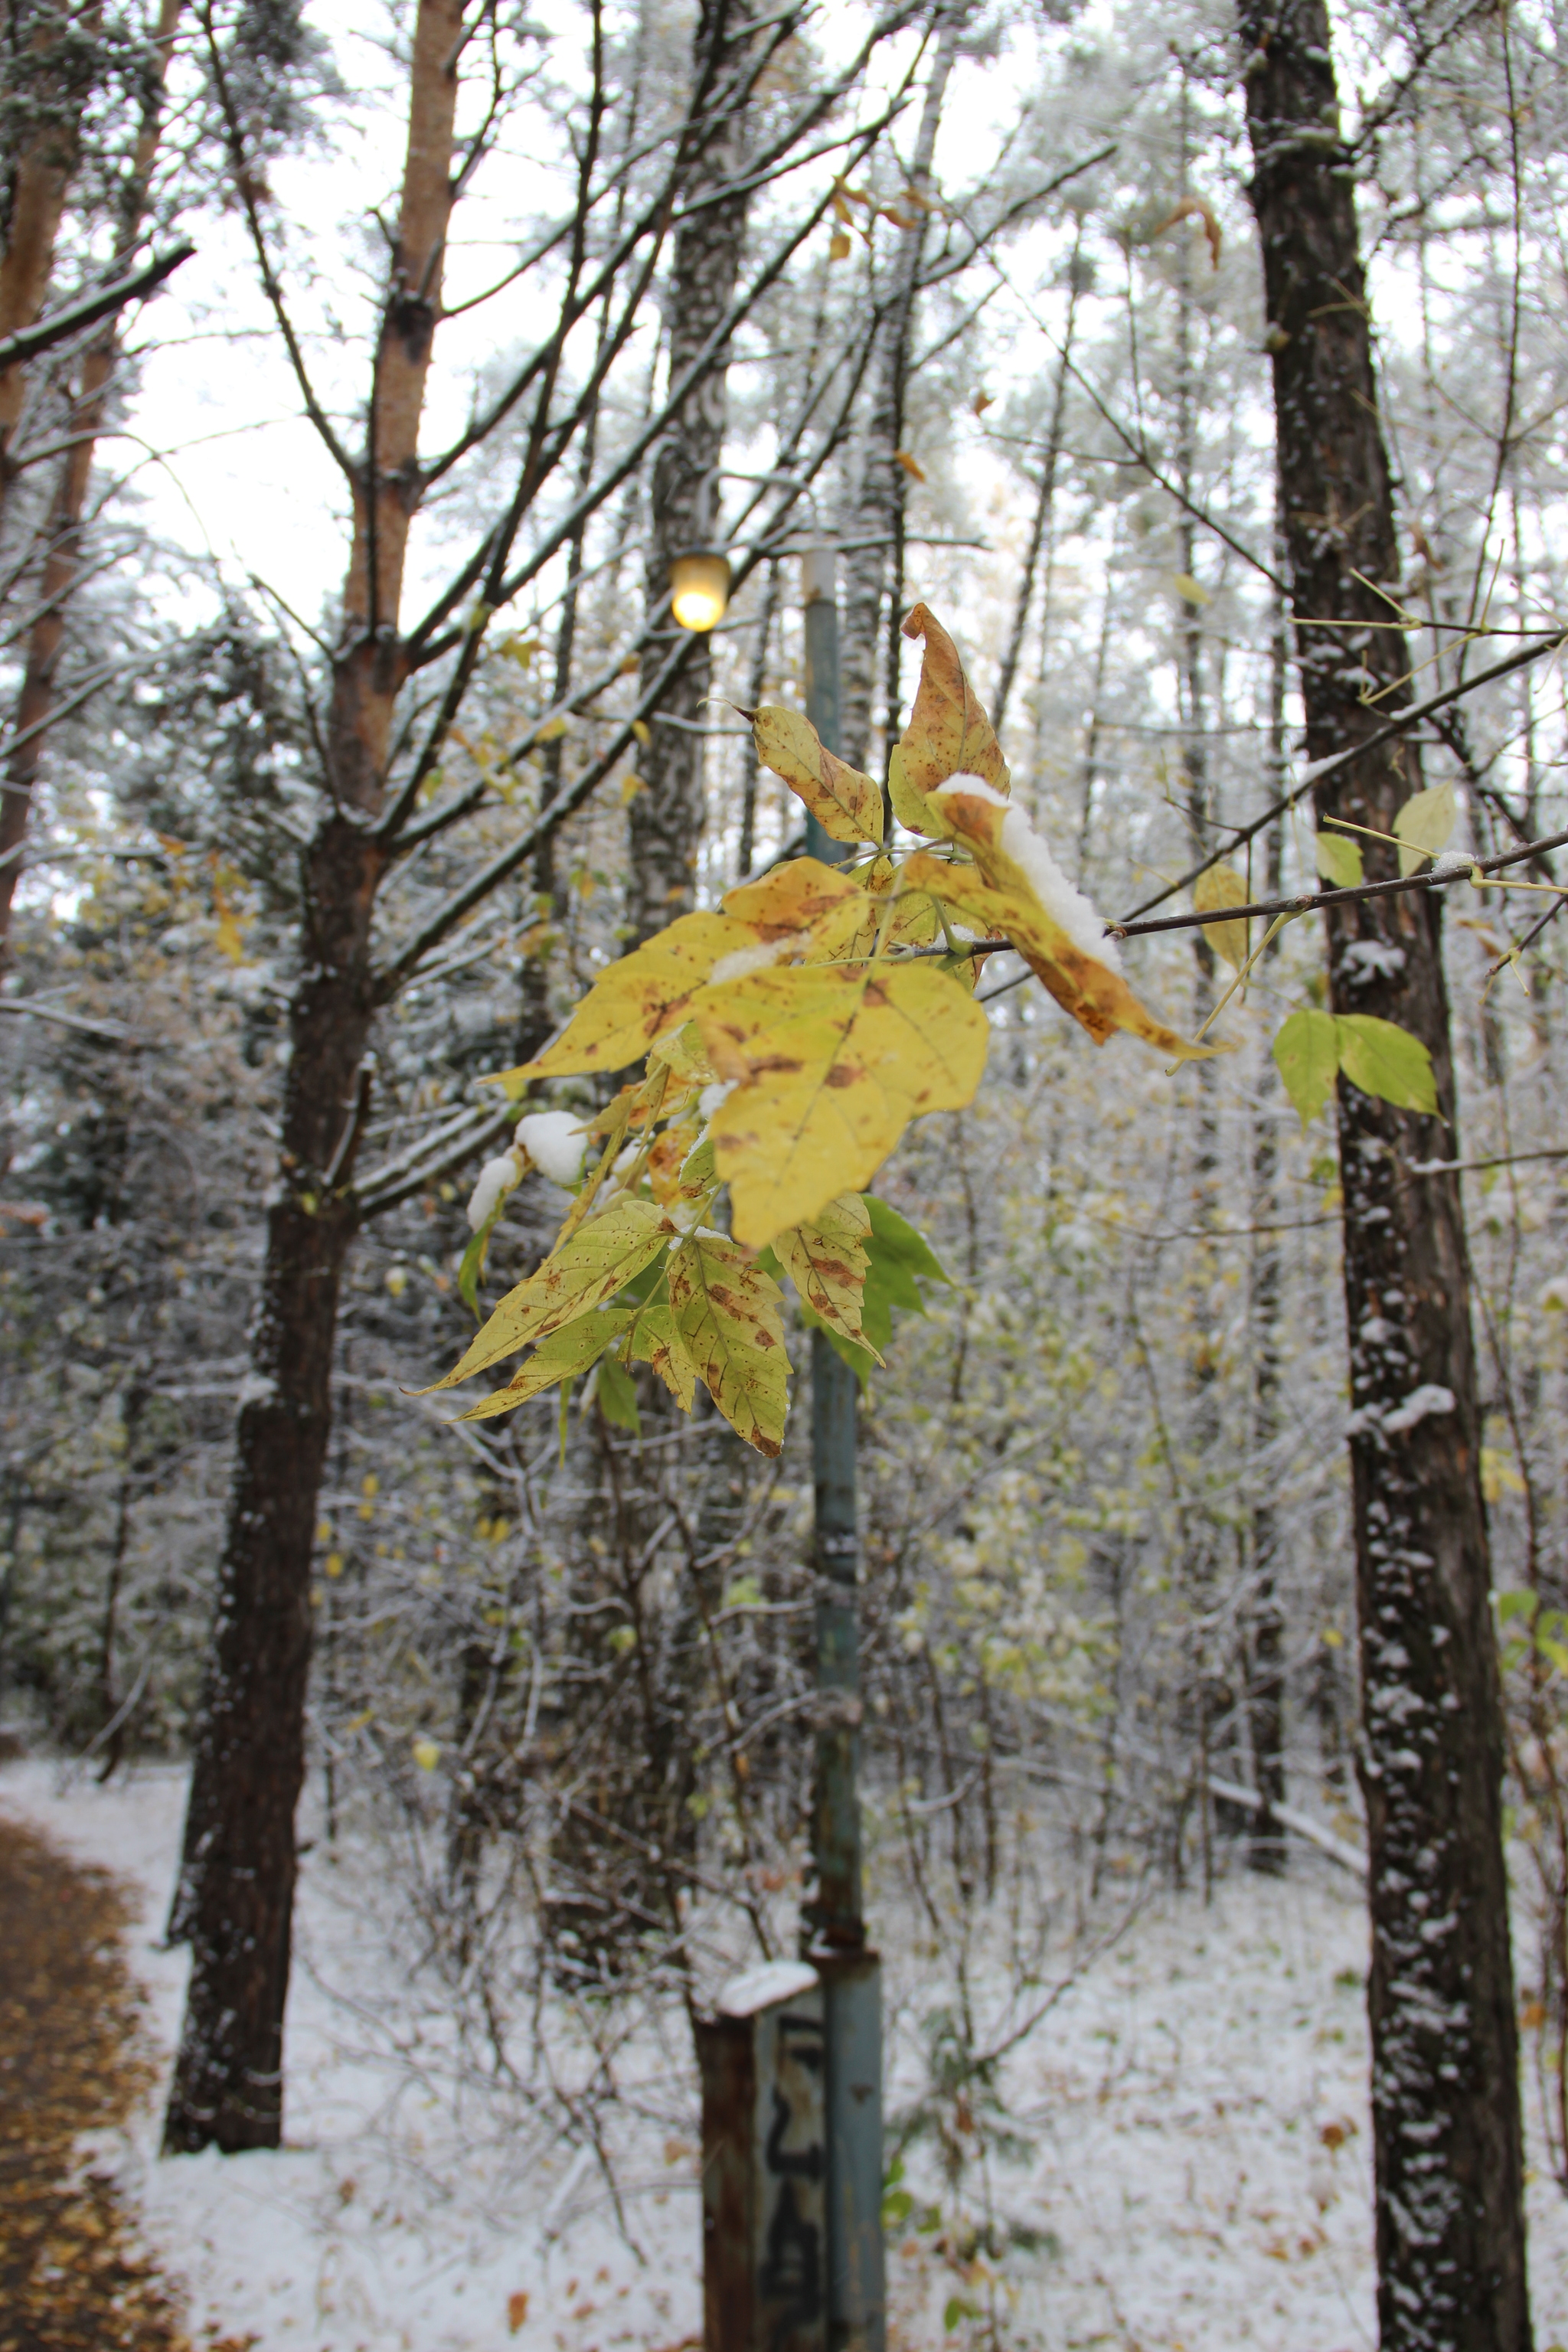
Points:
(1450, 2233)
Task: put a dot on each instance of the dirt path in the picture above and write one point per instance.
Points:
(73, 2058)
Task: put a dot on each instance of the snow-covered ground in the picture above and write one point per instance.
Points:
(1195, 2108)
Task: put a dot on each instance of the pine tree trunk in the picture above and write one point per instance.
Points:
(235, 1897)
(1446, 2109)
(666, 818)
(63, 531)
(36, 188)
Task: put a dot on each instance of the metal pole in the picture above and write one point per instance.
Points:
(834, 1926)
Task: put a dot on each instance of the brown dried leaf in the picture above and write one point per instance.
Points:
(997, 896)
(949, 733)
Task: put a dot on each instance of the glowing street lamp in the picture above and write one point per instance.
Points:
(699, 591)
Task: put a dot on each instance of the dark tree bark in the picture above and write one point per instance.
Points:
(234, 1902)
(1445, 2110)
(667, 816)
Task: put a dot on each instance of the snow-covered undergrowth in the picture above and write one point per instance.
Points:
(1181, 2152)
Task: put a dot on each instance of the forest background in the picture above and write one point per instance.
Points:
(976, 295)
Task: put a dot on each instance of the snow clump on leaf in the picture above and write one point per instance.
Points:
(554, 1143)
(1066, 907)
(497, 1178)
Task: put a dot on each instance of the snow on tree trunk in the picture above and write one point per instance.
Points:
(1449, 2223)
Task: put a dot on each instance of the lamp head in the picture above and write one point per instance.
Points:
(699, 591)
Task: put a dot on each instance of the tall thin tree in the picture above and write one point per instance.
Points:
(1446, 2108)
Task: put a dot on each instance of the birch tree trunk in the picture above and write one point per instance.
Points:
(1446, 2109)
(235, 1897)
(63, 531)
(667, 816)
(880, 505)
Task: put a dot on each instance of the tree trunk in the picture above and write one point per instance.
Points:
(666, 818)
(235, 1897)
(880, 507)
(63, 531)
(1042, 529)
(1445, 2110)
(36, 189)
(1265, 1621)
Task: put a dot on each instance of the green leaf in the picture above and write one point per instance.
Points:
(1306, 1055)
(615, 1394)
(894, 1241)
(1386, 1061)
(1339, 860)
(860, 1360)
(1425, 825)
(1513, 1604)
(474, 1258)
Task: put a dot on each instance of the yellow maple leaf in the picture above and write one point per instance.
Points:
(636, 999)
(579, 1274)
(1014, 890)
(838, 245)
(1222, 886)
(725, 1312)
(846, 805)
(948, 734)
(830, 1064)
(826, 1259)
(818, 906)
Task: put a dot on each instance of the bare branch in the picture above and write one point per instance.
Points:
(60, 325)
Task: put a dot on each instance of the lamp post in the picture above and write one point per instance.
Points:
(749, 2300)
(833, 1926)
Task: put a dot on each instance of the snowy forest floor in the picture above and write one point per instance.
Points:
(1193, 2109)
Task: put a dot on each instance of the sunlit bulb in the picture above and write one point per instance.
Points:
(699, 591)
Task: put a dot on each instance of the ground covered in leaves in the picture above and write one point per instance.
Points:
(72, 2061)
